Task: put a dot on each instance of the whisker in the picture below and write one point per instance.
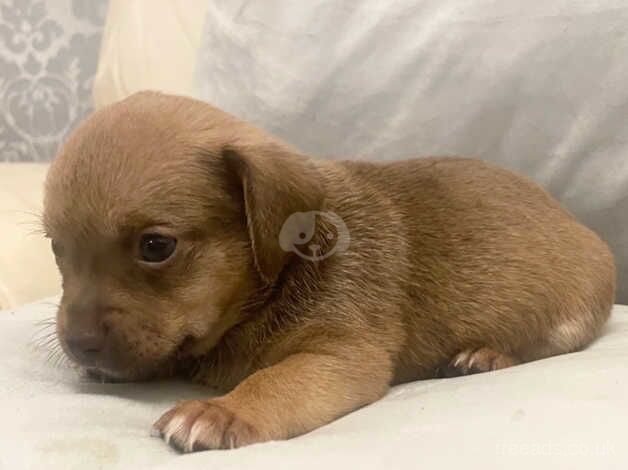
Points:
(49, 342)
(44, 331)
(38, 340)
(48, 346)
(58, 359)
(40, 232)
(49, 320)
(45, 325)
(46, 342)
(34, 219)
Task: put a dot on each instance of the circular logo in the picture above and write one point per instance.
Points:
(298, 235)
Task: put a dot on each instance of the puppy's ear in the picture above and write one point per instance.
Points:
(275, 183)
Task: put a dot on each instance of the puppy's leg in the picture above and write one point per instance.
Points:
(473, 361)
(297, 395)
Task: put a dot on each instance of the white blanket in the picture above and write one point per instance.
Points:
(566, 412)
(536, 86)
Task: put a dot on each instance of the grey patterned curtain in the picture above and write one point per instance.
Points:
(48, 57)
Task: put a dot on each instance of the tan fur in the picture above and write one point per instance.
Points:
(447, 255)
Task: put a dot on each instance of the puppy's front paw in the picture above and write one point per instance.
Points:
(201, 425)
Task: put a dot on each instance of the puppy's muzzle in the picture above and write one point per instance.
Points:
(87, 337)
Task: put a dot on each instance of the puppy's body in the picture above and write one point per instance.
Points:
(456, 255)
(454, 266)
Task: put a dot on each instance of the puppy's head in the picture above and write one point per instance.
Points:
(164, 215)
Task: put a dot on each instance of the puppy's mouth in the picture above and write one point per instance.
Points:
(136, 373)
(105, 376)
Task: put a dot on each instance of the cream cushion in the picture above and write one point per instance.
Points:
(148, 45)
(27, 268)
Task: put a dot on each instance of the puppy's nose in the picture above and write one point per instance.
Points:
(86, 345)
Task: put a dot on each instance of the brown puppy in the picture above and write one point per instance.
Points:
(192, 243)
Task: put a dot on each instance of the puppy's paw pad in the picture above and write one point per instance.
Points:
(202, 425)
(473, 361)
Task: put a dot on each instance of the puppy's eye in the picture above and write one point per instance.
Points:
(155, 248)
(57, 249)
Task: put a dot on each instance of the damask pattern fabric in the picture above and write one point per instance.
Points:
(48, 56)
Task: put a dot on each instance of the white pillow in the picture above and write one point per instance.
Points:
(148, 45)
(27, 268)
(539, 87)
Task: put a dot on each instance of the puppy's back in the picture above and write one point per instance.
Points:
(494, 260)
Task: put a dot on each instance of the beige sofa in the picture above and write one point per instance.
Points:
(27, 268)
